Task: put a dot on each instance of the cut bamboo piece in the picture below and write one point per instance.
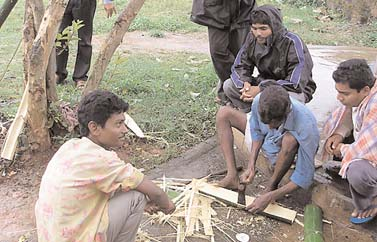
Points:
(273, 210)
(206, 216)
(10, 144)
(313, 223)
(180, 231)
(192, 216)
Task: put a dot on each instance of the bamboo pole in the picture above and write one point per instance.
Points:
(313, 224)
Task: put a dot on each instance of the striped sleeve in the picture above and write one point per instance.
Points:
(296, 64)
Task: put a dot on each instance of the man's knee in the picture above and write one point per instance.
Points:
(230, 89)
(289, 144)
(131, 200)
(356, 173)
(223, 114)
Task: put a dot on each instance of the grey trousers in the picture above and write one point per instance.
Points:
(77, 10)
(125, 213)
(362, 179)
(233, 94)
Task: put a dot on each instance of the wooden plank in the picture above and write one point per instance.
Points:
(273, 210)
(10, 145)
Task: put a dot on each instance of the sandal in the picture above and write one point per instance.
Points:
(80, 84)
(356, 220)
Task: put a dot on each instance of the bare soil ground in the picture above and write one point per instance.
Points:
(19, 188)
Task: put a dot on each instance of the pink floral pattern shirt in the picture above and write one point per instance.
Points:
(75, 189)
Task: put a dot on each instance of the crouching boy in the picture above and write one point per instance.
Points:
(87, 192)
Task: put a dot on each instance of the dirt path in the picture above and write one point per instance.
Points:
(142, 42)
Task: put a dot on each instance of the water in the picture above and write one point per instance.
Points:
(326, 59)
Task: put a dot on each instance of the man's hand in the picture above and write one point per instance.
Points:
(151, 208)
(260, 203)
(332, 144)
(170, 209)
(337, 152)
(110, 9)
(249, 92)
(247, 176)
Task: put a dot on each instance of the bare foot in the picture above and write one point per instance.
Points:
(229, 182)
(369, 212)
(218, 100)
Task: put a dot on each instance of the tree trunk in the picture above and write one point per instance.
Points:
(112, 42)
(34, 11)
(5, 10)
(28, 36)
(39, 56)
(52, 96)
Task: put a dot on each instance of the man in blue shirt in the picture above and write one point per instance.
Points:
(283, 127)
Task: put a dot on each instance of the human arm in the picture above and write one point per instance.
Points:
(344, 129)
(158, 199)
(243, 67)
(111, 174)
(262, 201)
(109, 7)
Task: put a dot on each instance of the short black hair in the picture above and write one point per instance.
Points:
(98, 106)
(356, 73)
(274, 104)
(259, 17)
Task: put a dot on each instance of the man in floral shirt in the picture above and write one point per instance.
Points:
(87, 192)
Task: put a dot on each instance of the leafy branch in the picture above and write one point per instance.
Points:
(69, 34)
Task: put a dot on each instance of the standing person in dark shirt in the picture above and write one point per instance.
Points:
(228, 25)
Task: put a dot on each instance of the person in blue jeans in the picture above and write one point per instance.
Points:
(283, 127)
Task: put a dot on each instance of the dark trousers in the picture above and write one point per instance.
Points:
(224, 45)
(77, 10)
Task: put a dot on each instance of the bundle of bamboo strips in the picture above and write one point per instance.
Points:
(193, 215)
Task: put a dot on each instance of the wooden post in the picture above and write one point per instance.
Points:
(112, 42)
(39, 56)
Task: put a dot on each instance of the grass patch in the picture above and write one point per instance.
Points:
(316, 32)
(156, 15)
(170, 96)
